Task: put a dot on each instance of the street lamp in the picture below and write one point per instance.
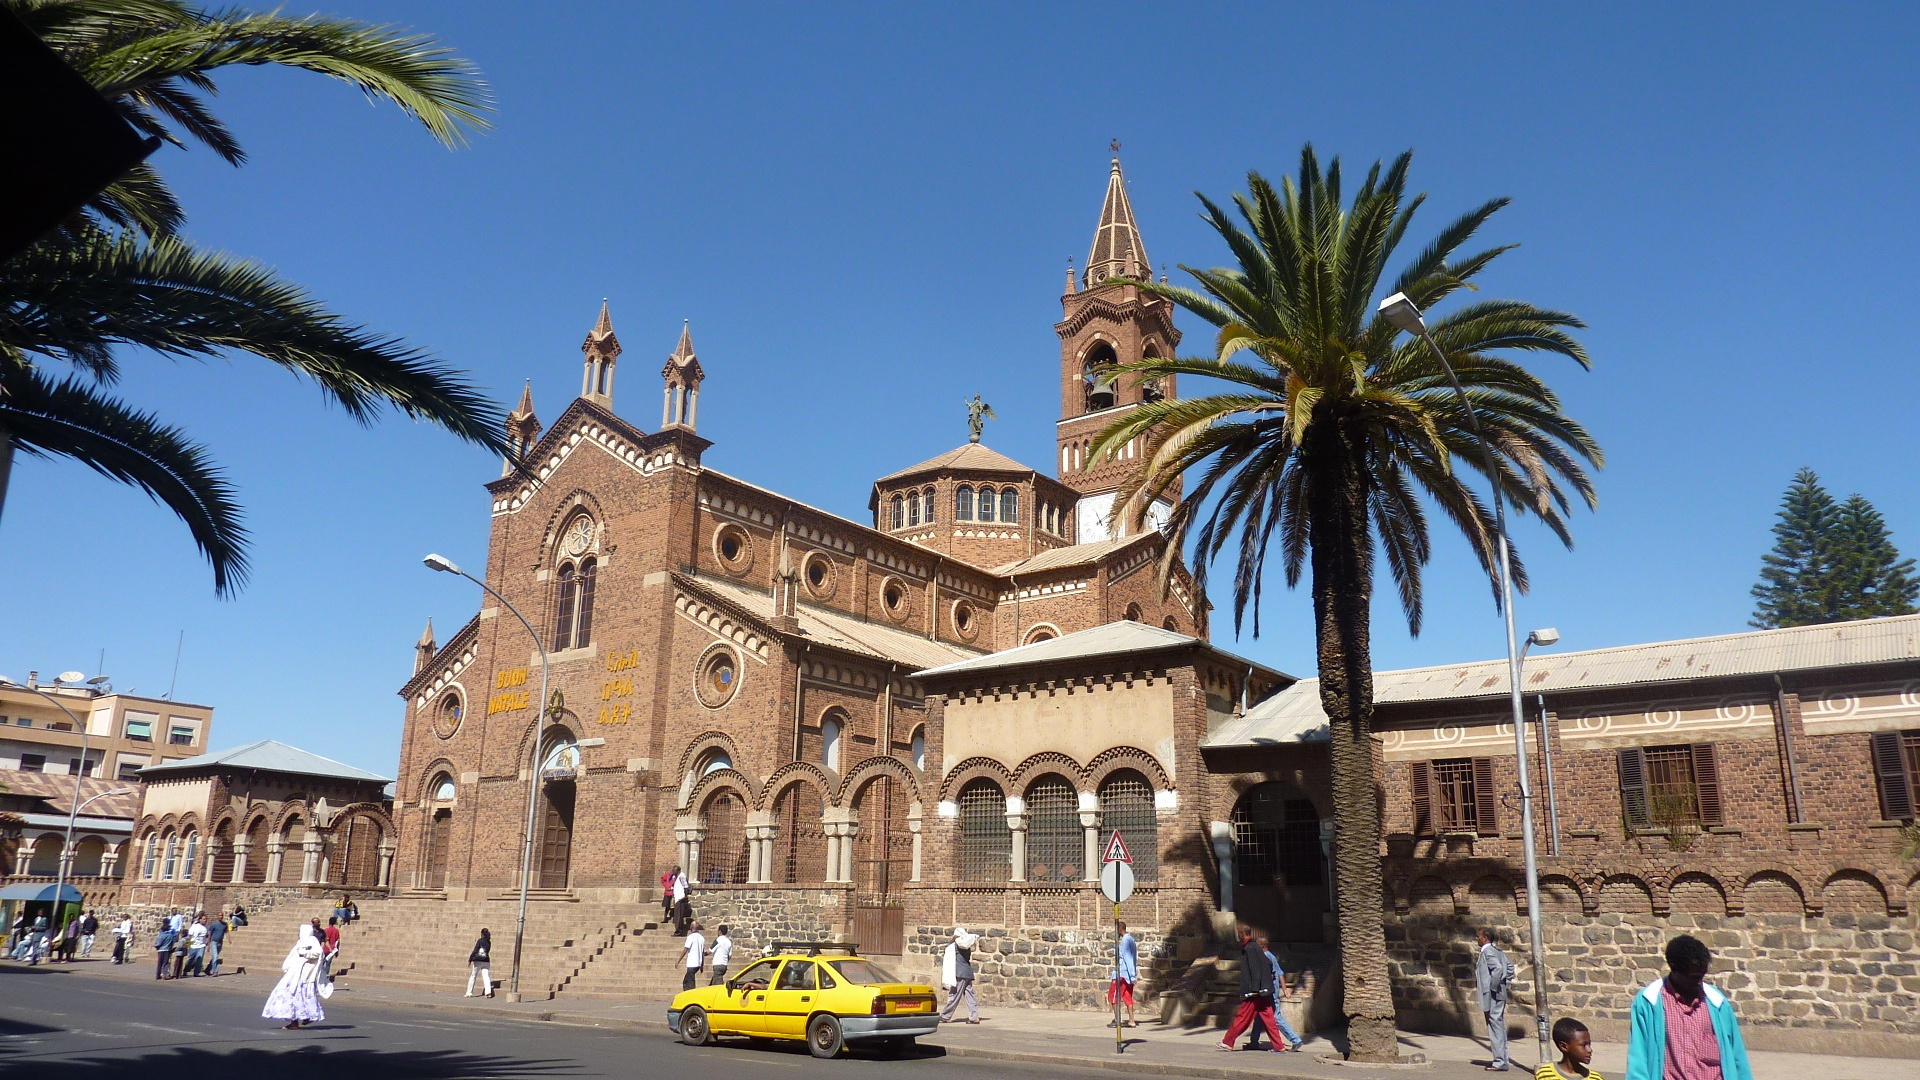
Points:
(446, 566)
(93, 688)
(1404, 314)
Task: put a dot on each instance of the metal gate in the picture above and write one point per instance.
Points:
(883, 861)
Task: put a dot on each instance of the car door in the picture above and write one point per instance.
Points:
(746, 999)
(790, 1000)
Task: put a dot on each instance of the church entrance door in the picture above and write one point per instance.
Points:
(439, 837)
(883, 861)
(556, 835)
(1280, 875)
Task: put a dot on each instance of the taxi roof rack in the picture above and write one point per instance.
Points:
(815, 948)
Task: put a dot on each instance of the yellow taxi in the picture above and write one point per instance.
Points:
(827, 995)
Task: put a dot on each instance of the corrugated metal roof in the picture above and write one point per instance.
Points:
(1071, 555)
(1757, 652)
(57, 792)
(1109, 639)
(966, 456)
(85, 823)
(842, 631)
(266, 755)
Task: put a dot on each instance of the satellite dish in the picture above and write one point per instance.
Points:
(73, 676)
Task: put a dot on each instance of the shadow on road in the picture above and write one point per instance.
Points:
(301, 1063)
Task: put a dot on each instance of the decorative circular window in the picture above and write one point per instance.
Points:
(734, 548)
(894, 599)
(578, 537)
(718, 677)
(818, 573)
(966, 622)
(447, 713)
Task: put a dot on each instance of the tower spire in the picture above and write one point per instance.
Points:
(1117, 247)
(523, 428)
(601, 349)
(424, 649)
(683, 376)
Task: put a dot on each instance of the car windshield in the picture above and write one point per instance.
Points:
(864, 972)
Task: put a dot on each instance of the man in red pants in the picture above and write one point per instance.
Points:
(1256, 994)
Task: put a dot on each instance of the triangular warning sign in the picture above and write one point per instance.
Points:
(1117, 850)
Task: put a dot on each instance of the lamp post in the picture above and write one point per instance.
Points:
(446, 566)
(1404, 314)
(93, 689)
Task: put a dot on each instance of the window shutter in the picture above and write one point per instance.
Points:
(1633, 785)
(1486, 806)
(1706, 783)
(1890, 766)
(1423, 798)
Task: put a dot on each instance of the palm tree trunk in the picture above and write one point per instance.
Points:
(1342, 591)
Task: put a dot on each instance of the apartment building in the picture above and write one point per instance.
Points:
(125, 732)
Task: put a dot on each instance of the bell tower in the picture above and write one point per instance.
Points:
(1107, 323)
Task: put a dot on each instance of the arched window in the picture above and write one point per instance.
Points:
(899, 512)
(986, 843)
(151, 846)
(173, 858)
(46, 856)
(797, 814)
(919, 748)
(1056, 841)
(192, 853)
(963, 503)
(1133, 613)
(1126, 805)
(832, 730)
(567, 595)
(443, 789)
(712, 762)
(1152, 390)
(986, 504)
(583, 624)
(256, 872)
(1099, 377)
(926, 499)
(1170, 624)
(913, 510)
(724, 850)
(1009, 506)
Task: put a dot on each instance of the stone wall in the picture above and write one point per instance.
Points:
(1854, 973)
(759, 915)
(1046, 968)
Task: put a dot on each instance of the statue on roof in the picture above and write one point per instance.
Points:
(978, 413)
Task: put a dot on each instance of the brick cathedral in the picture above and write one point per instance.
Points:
(876, 730)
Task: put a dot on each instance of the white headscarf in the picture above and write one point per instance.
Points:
(964, 939)
(304, 951)
(950, 960)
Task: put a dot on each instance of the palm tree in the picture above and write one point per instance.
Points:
(118, 274)
(1333, 435)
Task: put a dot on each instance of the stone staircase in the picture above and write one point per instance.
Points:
(578, 950)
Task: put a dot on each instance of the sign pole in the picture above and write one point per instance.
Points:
(1119, 1044)
(1116, 882)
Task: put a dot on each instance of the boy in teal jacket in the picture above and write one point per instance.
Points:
(1671, 1039)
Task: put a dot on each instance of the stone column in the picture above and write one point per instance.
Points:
(242, 847)
(326, 859)
(310, 858)
(23, 856)
(276, 856)
(913, 826)
(387, 848)
(832, 830)
(1017, 822)
(1090, 821)
(211, 852)
(848, 831)
(689, 830)
(760, 829)
(110, 859)
(66, 862)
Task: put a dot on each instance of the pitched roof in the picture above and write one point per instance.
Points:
(57, 792)
(838, 630)
(266, 755)
(1295, 712)
(965, 456)
(1071, 555)
(683, 351)
(1117, 247)
(1110, 639)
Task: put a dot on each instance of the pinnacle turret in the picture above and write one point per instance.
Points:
(1117, 247)
(602, 348)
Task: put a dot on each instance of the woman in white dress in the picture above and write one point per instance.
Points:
(296, 997)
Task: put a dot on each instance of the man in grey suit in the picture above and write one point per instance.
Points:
(1493, 977)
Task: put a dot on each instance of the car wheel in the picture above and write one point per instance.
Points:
(823, 1037)
(898, 1046)
(694, 1029)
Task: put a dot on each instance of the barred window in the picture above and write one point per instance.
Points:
(1276, 839)
(1056, 841)
(986, 844)
(1126, 806)
(1453, 795)
(803, 839)
(724, 851)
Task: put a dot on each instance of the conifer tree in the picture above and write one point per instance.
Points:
(1830, 562)
(1870, 576)
(1796, 577)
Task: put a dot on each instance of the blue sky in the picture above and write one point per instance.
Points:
(866, 212)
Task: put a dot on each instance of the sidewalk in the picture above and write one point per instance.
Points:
(1069, 1038)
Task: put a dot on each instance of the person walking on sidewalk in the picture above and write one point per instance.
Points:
(1280, 994)
(296, 997)
(694, 956)
(1256, 994)
(1684, 1027)
(722, 956)
(1126, 972)
(1493, 980)
(163, 943)
(477, 964)
(956, 975)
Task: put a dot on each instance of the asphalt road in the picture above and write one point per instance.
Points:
(58, 1024)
